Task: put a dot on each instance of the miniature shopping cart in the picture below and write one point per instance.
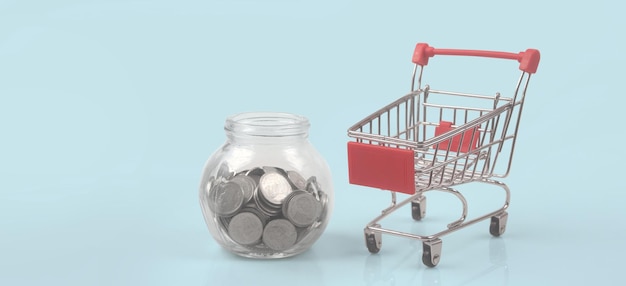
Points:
(421, 142)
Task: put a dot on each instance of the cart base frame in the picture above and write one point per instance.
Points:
(432, 244)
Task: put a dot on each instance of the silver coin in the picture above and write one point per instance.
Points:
(264, 218)
(324, 213)
(285, 204)
(313, 187)
(223, 222)
(279, 234)
(255, 172)
(302, 209)
(224, 171)
(247, 184)
(251, 204)
(269, 169)
(266, 208)
(229, 198)
(323, 199)
(209, 184)
(245, 228)
(274, 187)
(206, 190)
(298, 182)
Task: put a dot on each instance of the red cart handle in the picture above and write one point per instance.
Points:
(529, 59)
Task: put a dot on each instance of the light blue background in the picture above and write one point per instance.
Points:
(109, 109)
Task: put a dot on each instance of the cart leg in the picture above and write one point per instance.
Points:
(431, 252)
(498, 224)
(418, 208)
(373, 239)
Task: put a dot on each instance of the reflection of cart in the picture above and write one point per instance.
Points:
(421, 142)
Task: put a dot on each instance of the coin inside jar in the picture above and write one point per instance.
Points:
(265, 207)
(206, 191)
(224, 171)
(274, 187)
(302, 209)
(245, 228)
(279, 234)
(247, 185)
(298, 182)
(313, 187)
(255, 174)
(223, 221)
(228, 199)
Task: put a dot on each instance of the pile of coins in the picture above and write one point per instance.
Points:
(265, 207)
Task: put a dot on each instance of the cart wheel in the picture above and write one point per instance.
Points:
(418, 208)
(373, 240)
(498, 224)
(431, 253)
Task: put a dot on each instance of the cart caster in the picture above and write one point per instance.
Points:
(431, 253)
(373, 240)
(498, 224)
(418, 208)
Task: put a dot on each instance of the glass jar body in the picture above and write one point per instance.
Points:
(267, 192)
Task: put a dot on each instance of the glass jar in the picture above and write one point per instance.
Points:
(266, 193)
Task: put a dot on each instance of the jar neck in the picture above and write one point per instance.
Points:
(266, 127)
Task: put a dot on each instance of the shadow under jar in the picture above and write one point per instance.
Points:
(267, 192)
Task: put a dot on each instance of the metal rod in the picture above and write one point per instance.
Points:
(451, 227)
(445, 106)
(481, 96)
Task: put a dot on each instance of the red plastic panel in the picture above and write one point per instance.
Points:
(381, 167)
(468, 143)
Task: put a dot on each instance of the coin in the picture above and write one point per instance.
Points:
(279, 234)
(302, 209)
(297, 181)
(324, 202)
(245, 228)
(269, 169)
(224, 171)
(274, 187)
(209, 184)
(264, 218)
(288, 198)
(313, 187)
(255, 174)
(266, 208)
(223, 222)
(247, 185)
(228, 199)
(204, 192)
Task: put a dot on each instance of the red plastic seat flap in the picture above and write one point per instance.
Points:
(381, 167)
(468, 143)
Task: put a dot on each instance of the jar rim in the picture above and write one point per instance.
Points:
(270, 124)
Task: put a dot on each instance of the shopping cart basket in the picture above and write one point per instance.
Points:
(418, 144)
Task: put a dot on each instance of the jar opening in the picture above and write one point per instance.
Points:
(267, 124)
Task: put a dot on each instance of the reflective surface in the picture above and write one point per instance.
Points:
(253, 205)
(106, 107)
